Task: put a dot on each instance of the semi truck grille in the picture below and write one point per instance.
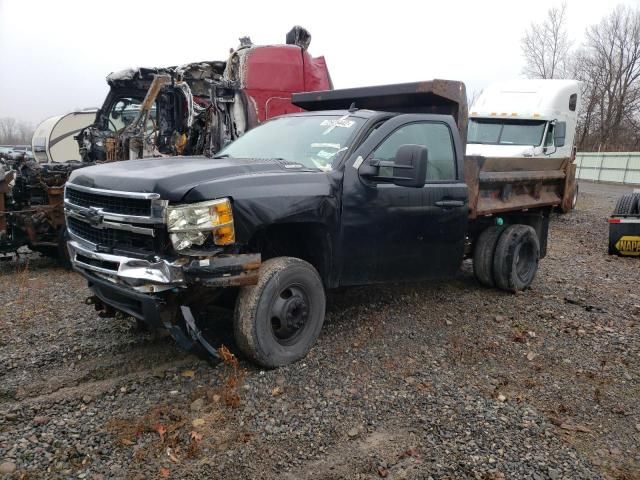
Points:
(120, 205)
(110, 237)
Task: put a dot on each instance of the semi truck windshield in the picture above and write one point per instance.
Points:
(505, 132)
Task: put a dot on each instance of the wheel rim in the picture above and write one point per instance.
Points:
(289, 314)
(525, 262)
(575, 198)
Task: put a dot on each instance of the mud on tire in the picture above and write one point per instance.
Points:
(278, 320)
(515, 260)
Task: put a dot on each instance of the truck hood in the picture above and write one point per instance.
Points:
(172, 177)
(500, 150)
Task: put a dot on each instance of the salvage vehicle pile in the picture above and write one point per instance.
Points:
(31, 212)
(157, 112)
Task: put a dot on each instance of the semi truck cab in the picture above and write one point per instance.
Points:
(525, 118)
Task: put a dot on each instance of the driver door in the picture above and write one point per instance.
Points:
(396, 233)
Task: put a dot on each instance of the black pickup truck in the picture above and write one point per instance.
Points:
(368, 185)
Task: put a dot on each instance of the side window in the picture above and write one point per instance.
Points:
(435, 136)
(573, 102)
(548, 141)
(125, 111)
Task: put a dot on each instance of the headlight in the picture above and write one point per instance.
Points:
(193, 224)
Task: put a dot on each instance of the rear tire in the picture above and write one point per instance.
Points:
(278, 320)
(574, 199)
(515, 261)
(483, 255)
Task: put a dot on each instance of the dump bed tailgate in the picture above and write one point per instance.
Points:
(498, 185)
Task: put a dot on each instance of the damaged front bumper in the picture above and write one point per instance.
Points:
(160, 291)
(159, 274)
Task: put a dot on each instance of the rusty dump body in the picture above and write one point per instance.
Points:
(502, 185)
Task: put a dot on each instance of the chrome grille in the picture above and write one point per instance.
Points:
(109, 237)
(109, 204)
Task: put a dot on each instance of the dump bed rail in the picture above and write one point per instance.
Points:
(498, 185)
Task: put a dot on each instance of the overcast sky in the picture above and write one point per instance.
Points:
(54, 55)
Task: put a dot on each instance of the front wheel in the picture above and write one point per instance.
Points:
(278, 320)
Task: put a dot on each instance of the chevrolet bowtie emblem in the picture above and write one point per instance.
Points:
(94, 216)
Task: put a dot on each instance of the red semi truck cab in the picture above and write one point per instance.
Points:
(274, 72)
(200, 107)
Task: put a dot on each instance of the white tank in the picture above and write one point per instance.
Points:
(53, 140)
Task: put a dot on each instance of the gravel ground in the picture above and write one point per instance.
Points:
(433, 380)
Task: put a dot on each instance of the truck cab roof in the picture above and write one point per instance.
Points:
(544, 99)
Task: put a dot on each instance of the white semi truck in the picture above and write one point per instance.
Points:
(525, 118)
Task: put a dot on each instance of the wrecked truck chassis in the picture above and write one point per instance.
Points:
(31, 213)
(160, 292)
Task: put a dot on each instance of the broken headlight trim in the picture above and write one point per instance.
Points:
(193, 224)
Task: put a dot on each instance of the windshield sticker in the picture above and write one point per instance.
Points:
(340, 122)
(325, 155)
(326, 145)
(358, 162)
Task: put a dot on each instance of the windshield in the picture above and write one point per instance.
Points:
(505, 132)
(313, 141)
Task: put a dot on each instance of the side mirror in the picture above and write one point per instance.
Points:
(559, 133)
(410, 166)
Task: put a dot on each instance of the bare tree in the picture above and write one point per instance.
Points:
(7, 130)
(13, 132)
(609, 66)
(545, 46)
(472, 97)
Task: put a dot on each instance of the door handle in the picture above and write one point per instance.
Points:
(450, 203)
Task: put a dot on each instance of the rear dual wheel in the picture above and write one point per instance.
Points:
(483, 255)
(507, 257)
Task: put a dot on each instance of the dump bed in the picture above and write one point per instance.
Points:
(496, 185)
(499, 185)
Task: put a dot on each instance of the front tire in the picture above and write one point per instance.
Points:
(278, 320)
